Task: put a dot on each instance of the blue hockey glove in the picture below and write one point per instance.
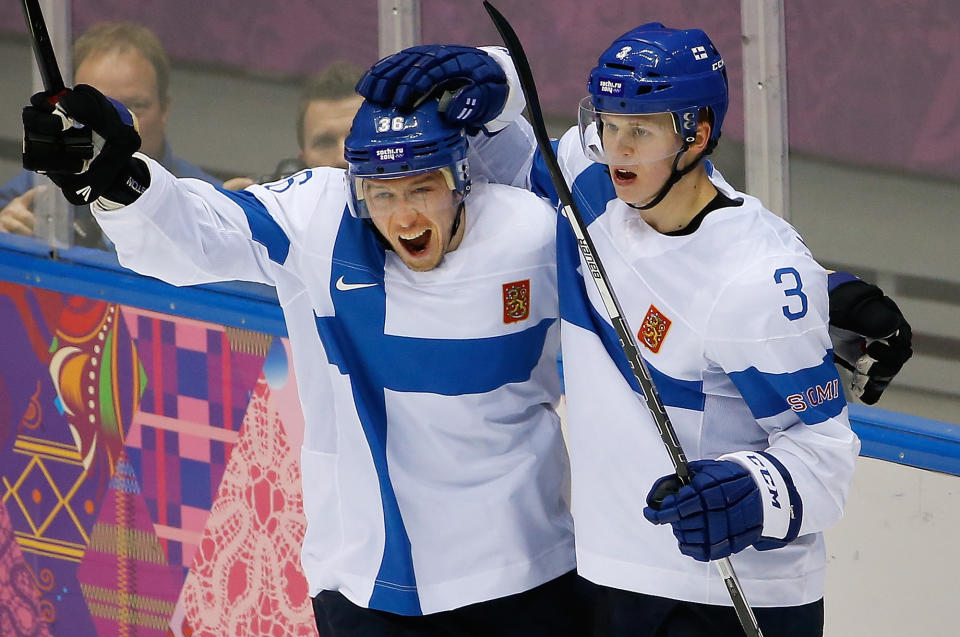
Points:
(719, 513)
(473, 85)
(49, 146)
(871, 338)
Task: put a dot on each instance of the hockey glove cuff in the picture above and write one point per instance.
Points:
(782, 506)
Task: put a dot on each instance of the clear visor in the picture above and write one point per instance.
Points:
(426, 193)
(621, 139)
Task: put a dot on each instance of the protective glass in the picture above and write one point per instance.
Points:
(619, 139)
(429, 193)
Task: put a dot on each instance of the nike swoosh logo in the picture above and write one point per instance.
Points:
(343, 286)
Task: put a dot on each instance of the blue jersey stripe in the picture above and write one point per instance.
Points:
(350, 339)
(354, 341)
(540, 181)
(575, 308)
(265, 230)
(591, 189)
(674, 392)
(813, 393)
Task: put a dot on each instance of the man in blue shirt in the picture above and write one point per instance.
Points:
(126, 62)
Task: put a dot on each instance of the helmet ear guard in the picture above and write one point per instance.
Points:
(688, 122)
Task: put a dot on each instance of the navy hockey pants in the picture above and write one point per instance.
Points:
(549, 610)
(619, 613)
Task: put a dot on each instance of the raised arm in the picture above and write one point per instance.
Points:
(183, 231)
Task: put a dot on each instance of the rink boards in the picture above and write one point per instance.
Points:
(149, 441)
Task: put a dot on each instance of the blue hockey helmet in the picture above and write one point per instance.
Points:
(655, 69)
(385, 143)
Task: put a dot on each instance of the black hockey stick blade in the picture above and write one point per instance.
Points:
(513, 45)
(744, 613)
(43, 50)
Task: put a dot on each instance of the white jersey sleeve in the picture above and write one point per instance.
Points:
(768, 333)
(503, 151)
(427, 396)
(186, 231)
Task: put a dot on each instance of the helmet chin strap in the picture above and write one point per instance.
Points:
(675, 176)
(457, 219)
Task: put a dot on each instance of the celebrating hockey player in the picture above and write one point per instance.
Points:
(731, 312)
(422, 313)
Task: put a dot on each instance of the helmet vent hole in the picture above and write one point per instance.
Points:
(621, 67)
(663, 87)
(643, 90)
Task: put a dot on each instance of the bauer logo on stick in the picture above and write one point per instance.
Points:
(516, 301)
(654, 329)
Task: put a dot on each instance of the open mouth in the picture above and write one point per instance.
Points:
(416, 244)
(622, 176)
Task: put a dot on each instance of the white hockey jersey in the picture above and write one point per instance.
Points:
(731, 320)
(433, 465)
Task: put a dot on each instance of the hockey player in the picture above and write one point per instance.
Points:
(731, 313)
(422, 313)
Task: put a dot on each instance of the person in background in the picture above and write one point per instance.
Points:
(126, 62)
(326, 109)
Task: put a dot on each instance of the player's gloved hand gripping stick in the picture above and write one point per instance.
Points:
(625, 334)
(73, 146)
(58, 127)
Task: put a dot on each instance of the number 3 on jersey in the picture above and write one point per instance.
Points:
(786, 276)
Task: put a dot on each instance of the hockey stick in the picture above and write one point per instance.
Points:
(43, 50)
(79, 139)
(624, 333)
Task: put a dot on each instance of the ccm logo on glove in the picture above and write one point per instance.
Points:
(767, 479)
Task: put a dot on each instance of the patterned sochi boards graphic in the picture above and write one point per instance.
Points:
(21, 610)
(246, 576)
(129, 587)
(67, 370)
(149, 474)
(200, 383)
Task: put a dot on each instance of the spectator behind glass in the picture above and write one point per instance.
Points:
(126, 62)
(327, 106)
